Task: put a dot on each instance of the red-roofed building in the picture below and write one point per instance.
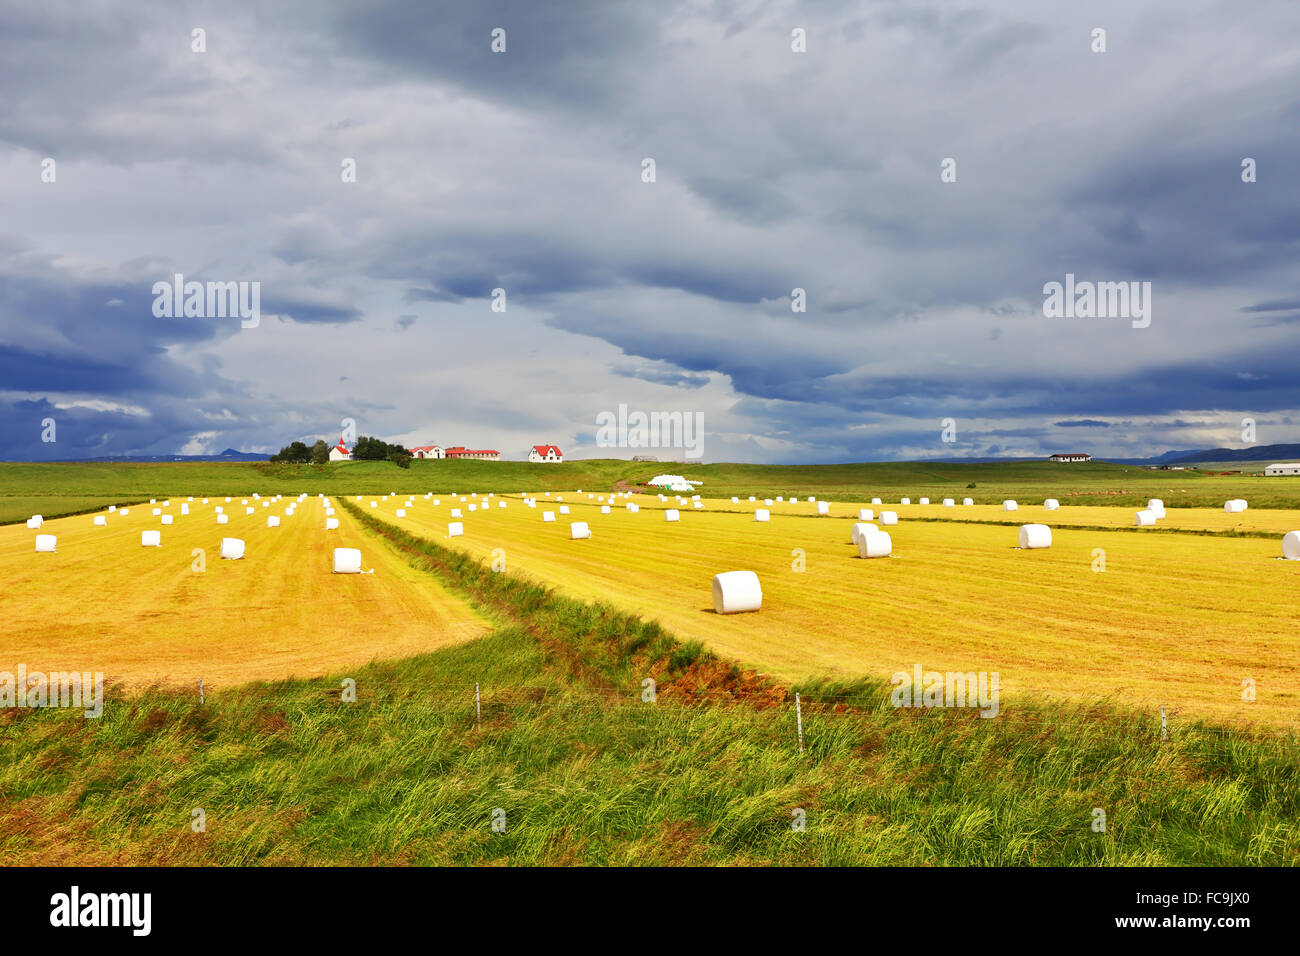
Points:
(340, 452)
(428, 451)
(481, 454)
(545, 453)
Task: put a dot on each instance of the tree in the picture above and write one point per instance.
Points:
(320, 452)
(294, 452)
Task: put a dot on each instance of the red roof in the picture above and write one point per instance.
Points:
(544, 450)
(455, 450)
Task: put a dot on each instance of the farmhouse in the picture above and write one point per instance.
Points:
(340, 452)
(1073, 456)
(545, 453)
(480, 454)
(1290, 468)
(428, 451)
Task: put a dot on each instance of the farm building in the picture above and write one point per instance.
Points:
(480, 454)
(1072, 456)
(1288, 468)
(340, 452)
(428, 451)
(545, 453)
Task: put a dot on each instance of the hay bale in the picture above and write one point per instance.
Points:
(100, 520)
(1145, 519)
(151, 539)
(948, 503)
(34, 522)
(232, 549)
(1234, 505)
(866, 514)
(46, 543)
(925, 501)
(904, 501)
(889, 517)
(752, 498)
(875, 544)
(437, 502)
(347, 561)
(699, 504)
(273, 521)
(876, 501)
(157, 512)
(248, 510)
(672, 514)
(564, 509)
(633, 507)
(735, 592)
(112, 508)
(455, 513)
(735, 501)
(331, 524)
(501, 504)
(823, 507)
(762, 514)
(967, 502)
(167, 519)
(548, 515)
(1291, 545)
(185, 509)
(1010, 505)
(124, 512)
(218, 510)
(1035, 536)
(579, 530)
(604, 509)
(858, 528)
(455, 529)
(812, 498)
(1051, 504)
(401, 512)
(767, 502)
(223, 519)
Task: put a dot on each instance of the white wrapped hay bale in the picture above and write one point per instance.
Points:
(167, 519)
(1145, 519)
(401, 512)
(779, 499)
(823, 507)
(735, 501)
(672, 514)
(473, 507)
(232, 548)
(455, 529)
(157, 512)
(633, 507)
(46, 543)
(1051, 504)
(100, 520)
(1156, 506)
(889, 517)
(859, 527)
(437, 502)
(347, 561)
(604, 509)
(124, 512)
(205, 501)
(949, 503)
(331, 524)
(812, 498)
(866, 514)
(735, 592)
(1035, 536)
(153, 501)
(564, 509)
(34, 522)
(1291, 545)
(875, 544)
(249, 510)
(752, 498)
(876, 501)
(967, 502)
(548, 515)
(223, 519)
(218, 510)
(925, 501)
(698, 504)
(185, 509)
(273, 521)
(151, 539)
(1010, 505)
(329, 512)
(112, 508)
(1234, 505)
(762, 514)
(501, 504)
(904, 501)
(578, 530)
(455, 513)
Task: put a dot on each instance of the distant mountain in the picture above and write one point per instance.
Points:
(230, 454)
(1257, 453)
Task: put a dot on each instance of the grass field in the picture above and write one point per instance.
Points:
(1176, 621)
(140, 615)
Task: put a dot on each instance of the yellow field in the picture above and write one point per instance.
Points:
(1174, 620)
(143, 615)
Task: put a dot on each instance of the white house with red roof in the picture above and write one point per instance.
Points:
(545, 453)
(340, 452)
(428, 451)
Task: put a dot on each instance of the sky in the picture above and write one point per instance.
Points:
(774, 169)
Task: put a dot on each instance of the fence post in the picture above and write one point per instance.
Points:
(798, 717)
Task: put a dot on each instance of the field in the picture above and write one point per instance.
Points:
(1178, 621)
(559, 643)
(144, 615)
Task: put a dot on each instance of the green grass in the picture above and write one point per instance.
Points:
(1077, 484)
(587, 773)
(14, 508)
